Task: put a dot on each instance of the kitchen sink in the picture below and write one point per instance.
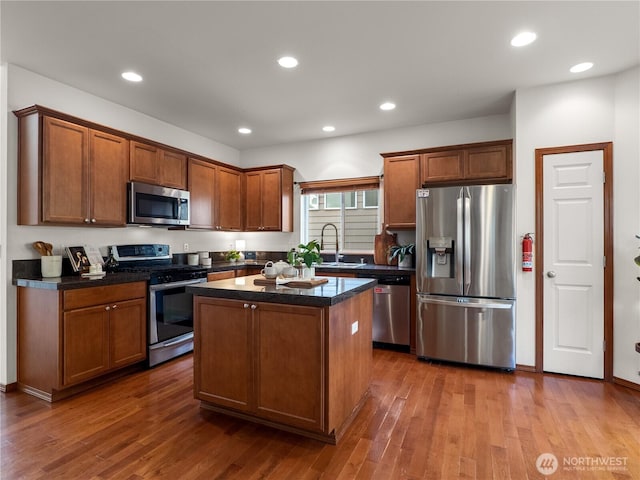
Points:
(340, 265)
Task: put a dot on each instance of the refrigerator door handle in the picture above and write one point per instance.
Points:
(459, 250)
(467, 240)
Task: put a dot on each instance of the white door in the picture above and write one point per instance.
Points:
(573, 246)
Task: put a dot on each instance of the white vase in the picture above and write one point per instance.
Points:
(306, 272)
(407, 261)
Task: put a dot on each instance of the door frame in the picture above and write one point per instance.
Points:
(607, 193)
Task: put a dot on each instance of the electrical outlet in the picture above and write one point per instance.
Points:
(185, 247)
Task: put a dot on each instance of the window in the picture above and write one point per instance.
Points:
(332, 201)
(351, 205)
(336, 200)
(370, 199)
(314, 201)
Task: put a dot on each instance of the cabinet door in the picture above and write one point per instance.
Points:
(109, 173)
(85, 344)
(172, 169)
(290, 391)
(442, 166)
(491, 162)
(144, 163)
(222, 352)
(400, 183)
(229, 199)
(127, 332)
(253, 206)
(271, 200)
(65, 196)
(202, 196)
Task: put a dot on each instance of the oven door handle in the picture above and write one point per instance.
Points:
(183, 283)
(177, 342)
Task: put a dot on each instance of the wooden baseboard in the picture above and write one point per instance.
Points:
(9, 387)
(626, 383)
(526, 368)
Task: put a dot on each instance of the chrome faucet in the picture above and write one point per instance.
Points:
(322, 238)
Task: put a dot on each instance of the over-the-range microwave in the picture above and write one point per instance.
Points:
(156, 205)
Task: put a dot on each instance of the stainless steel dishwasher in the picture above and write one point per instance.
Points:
(391, 311)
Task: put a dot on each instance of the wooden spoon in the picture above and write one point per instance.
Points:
(49, 248)
(39, 246)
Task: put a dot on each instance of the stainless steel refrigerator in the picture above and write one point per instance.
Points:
(465, 266)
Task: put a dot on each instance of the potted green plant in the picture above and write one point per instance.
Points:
(305, 255)
(404, 254)
(232, 256)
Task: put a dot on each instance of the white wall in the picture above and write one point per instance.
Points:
(588, 111)
(5, 330)
(626, 224)
(359, 155)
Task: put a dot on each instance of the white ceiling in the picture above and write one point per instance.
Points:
(210, 67)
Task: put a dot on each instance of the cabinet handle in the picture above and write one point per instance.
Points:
(107, 308)
(253, 307)
(246, 305)
(93, 220)
(86, 220)
(114, 307)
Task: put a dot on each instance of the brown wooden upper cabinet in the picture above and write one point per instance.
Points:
(69, 174)
(269, 199)
(404, 172)
(157, 166)
(216, 196)
(75, 172)
(401, 179)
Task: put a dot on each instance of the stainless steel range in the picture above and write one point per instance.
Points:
(170, 308)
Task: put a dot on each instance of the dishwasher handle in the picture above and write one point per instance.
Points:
(389, 279)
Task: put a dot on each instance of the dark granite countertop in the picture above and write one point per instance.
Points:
(366, 269)
(26, 274)
(71, 282)
(242, 288)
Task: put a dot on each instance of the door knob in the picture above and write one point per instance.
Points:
(551, 274)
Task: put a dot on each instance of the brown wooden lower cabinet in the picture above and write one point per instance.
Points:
(302, 369)
(67, 339)
(211, 276)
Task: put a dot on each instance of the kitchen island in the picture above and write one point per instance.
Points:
(298, 359)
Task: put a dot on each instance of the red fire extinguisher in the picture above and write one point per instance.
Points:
(527, 253)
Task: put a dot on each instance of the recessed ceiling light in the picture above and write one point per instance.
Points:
(132, 76)
(328, 128)
(581, 67)
(244, 130)
(387, 106)
(288, 62)
(523, 38)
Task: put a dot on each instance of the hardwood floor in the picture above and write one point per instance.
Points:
(421, 421)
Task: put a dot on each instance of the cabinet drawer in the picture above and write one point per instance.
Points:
(220, 275)
(86, 297)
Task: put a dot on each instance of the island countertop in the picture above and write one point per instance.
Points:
(336, 290)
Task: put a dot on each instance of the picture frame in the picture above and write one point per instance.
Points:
(78, 259)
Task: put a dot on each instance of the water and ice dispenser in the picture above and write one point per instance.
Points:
(441, 261)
